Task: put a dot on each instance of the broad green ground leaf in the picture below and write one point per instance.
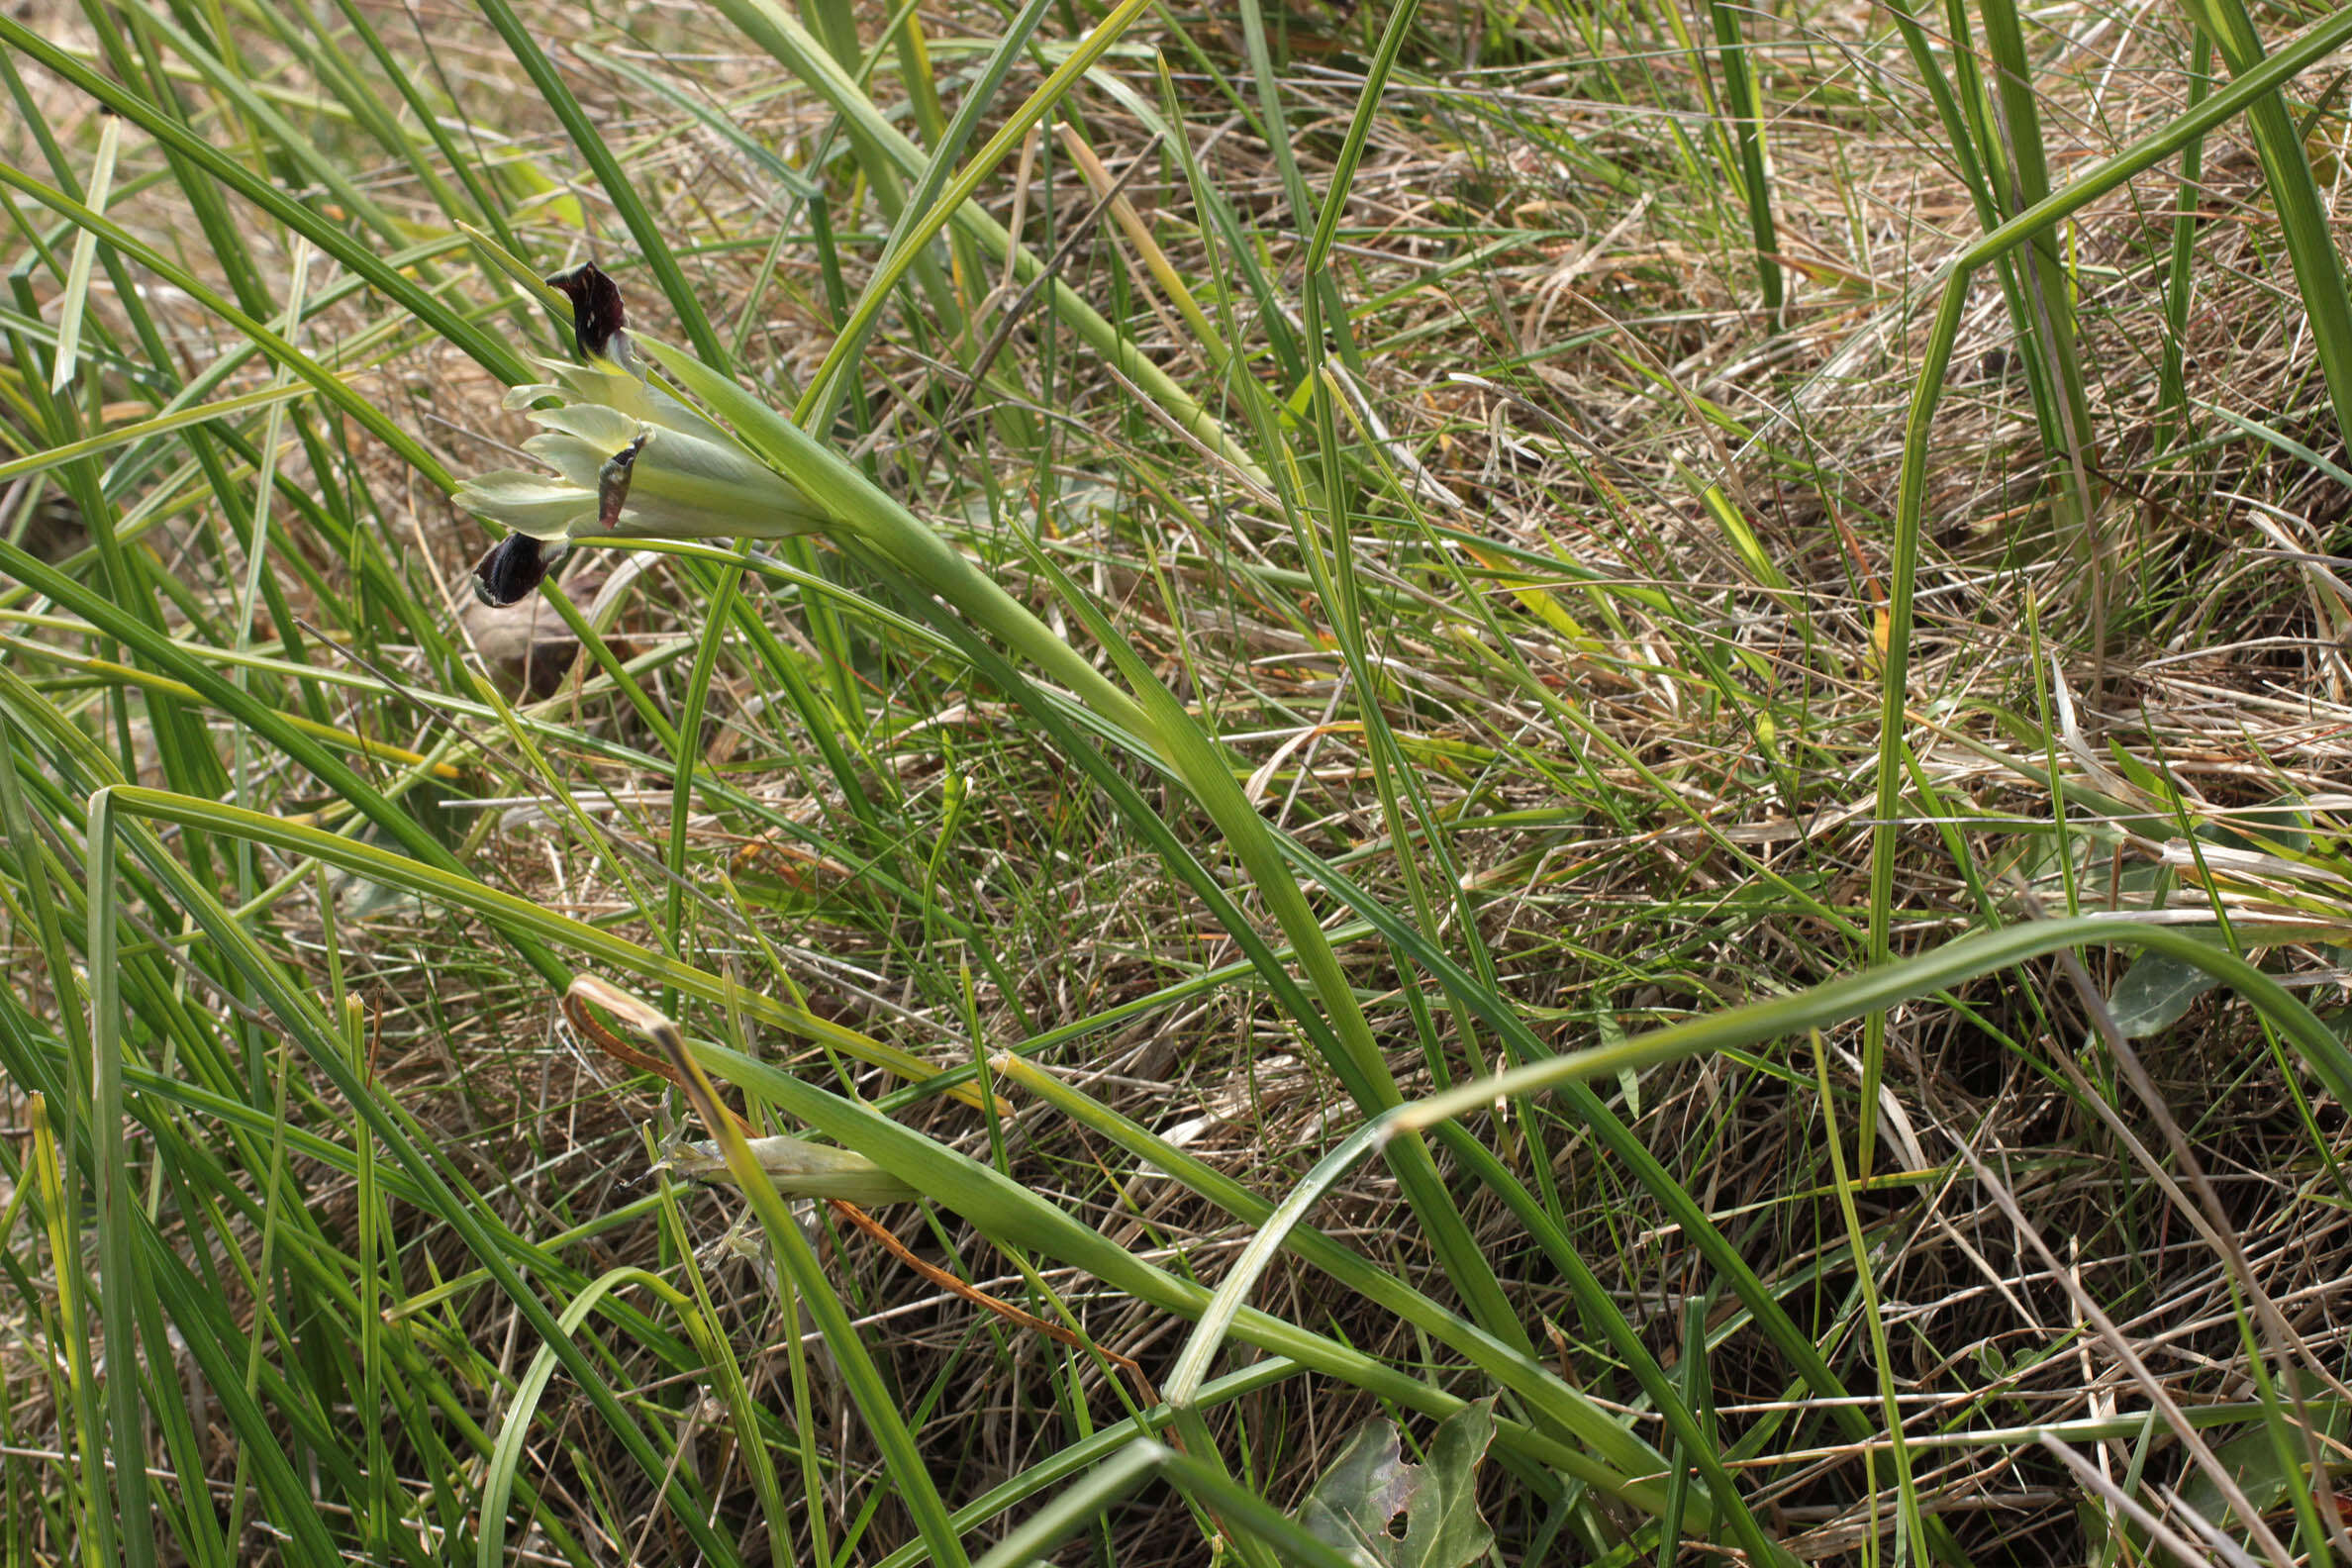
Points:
(2252, 1458)
(2155, 993)
(2283, 822)
(1356, 1503)
(1613, 1033)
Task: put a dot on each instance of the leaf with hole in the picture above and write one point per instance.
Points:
(1358, 1501)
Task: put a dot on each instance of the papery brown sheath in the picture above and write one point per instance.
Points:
(611, 485)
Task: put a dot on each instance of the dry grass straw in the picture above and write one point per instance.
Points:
(1656, 782)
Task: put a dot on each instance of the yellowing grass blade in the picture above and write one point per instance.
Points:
(85, 254)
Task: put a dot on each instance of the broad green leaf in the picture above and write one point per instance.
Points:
(1613, 1033)
(2253, 1459)
(2280, 824)
(1358, 1503)
(2156, 991)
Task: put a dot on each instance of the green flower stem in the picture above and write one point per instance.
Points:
(877, 519)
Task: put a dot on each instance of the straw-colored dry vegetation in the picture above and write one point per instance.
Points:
(1547, 602)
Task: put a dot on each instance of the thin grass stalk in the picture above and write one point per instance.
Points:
(298, 1014)
(1306, 216)
(854, 1363)
(138, 431)
(72, 301)
(1209, 1489)
(651, 239)
(329, 386)
(2295, 1441)
(1392, 772)
(2180, 282)
(1223, 237)
(49, 1160)
(112, 1176)
(230, 82)
(54, 1112)
(180, 139)
(522, 1405)
(935, 199)
(1698, 1389)
(690, 752)
(885, 166)
(2017, 119)
(1910, 1538)
(1197, 1442)
(1853, 996)
(424, 114)
(1965, 112)
(368, 1259)
(729, 1372)
(1745, 101)
(767, 25)
(264, 722)
(1033, 1537)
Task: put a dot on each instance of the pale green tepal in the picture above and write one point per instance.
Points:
(687, 479)
(630, 461)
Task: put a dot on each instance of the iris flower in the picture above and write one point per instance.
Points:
(630, 460)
